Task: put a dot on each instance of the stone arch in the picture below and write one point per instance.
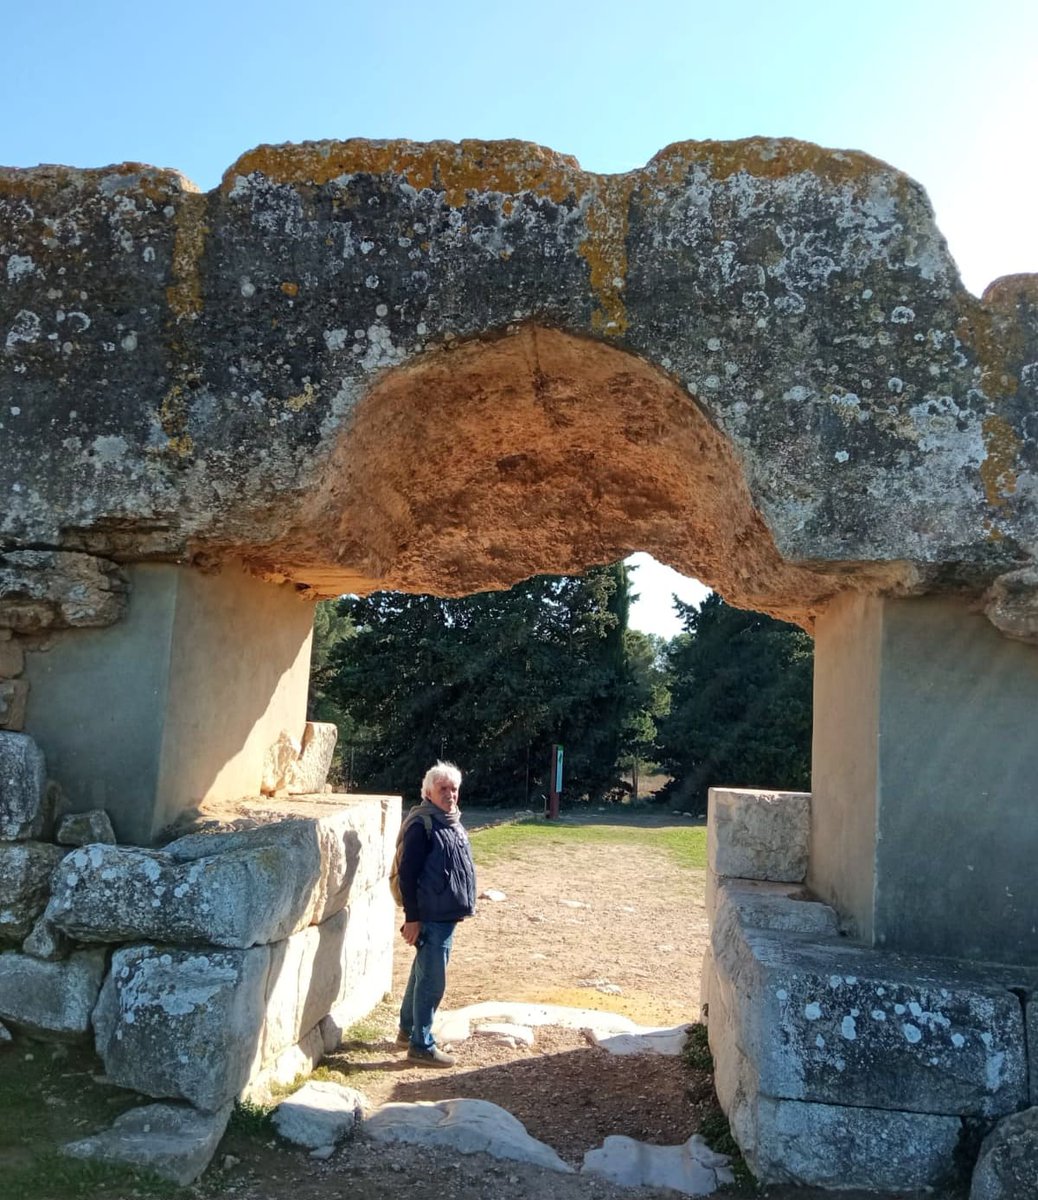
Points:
(535, 451)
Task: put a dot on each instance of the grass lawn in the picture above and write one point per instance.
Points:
(684, 844)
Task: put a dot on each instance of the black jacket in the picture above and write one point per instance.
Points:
(437, 874)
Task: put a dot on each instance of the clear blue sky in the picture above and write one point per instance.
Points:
(947, 90)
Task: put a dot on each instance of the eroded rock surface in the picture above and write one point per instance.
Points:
(23, 787)
(25, 871)
(754, 359)
(174, 1141)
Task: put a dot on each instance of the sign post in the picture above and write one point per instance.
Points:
(551, 808)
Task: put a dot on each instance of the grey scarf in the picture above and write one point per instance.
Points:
(427, 806)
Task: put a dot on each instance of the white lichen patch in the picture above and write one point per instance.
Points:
(25, 329)
(106, 451)
(21, 266)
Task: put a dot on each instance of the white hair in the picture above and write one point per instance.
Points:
(440, 770)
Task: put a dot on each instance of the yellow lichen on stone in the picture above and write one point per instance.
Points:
(455, 168)
(998, 470)
(184, 294)
(290, 289)
(605, 251)
(765, 158)
(156, 184)
(173, 420)
(303, 399)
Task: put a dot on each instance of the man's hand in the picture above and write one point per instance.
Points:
(410, 930)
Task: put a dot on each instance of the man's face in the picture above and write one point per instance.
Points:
(445, 795)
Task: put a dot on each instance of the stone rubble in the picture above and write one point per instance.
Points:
(692, 1168)
(174, 1141)
(612, 1031)
(23, 788)
(82, 829)
(320, 1114)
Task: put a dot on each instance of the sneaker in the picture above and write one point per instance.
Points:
(403, 1038)
(430, 1058)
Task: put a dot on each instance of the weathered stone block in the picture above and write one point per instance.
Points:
(691, 1169)
(297, 1061)
(307, 979)
(464, 1126)
(758, 835)
(23, 787)
(352, 840)
(12, 657)
(240, 898)
(85, 828)
(56, 589)
(172, 1140)
(278, 762)
(309, 773)
(318, 1114)
(1007, 1166)
(184, 1024)
(865, 1028)
(756, 904)
(14, 695)
(25, 872)
(841, 1146)
(49, 999)
(1031, 1018)
(47, 942)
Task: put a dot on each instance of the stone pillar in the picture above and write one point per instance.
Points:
(924, 826)
(178, 702)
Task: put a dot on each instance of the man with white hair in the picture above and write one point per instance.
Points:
(437, 881)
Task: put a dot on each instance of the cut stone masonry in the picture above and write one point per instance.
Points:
(208, 969)
(839, 1065)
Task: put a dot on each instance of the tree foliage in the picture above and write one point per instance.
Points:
(491, 681)
(740, 703)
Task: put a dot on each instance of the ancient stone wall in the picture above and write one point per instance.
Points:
(213, 967)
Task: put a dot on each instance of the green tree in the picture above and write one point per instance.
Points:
(740, 704)
(648, 700)
(491, 681)
(331, 628)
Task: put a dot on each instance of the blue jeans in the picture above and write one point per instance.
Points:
(427, 982)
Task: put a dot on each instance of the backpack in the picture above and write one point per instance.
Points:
(394, 870)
